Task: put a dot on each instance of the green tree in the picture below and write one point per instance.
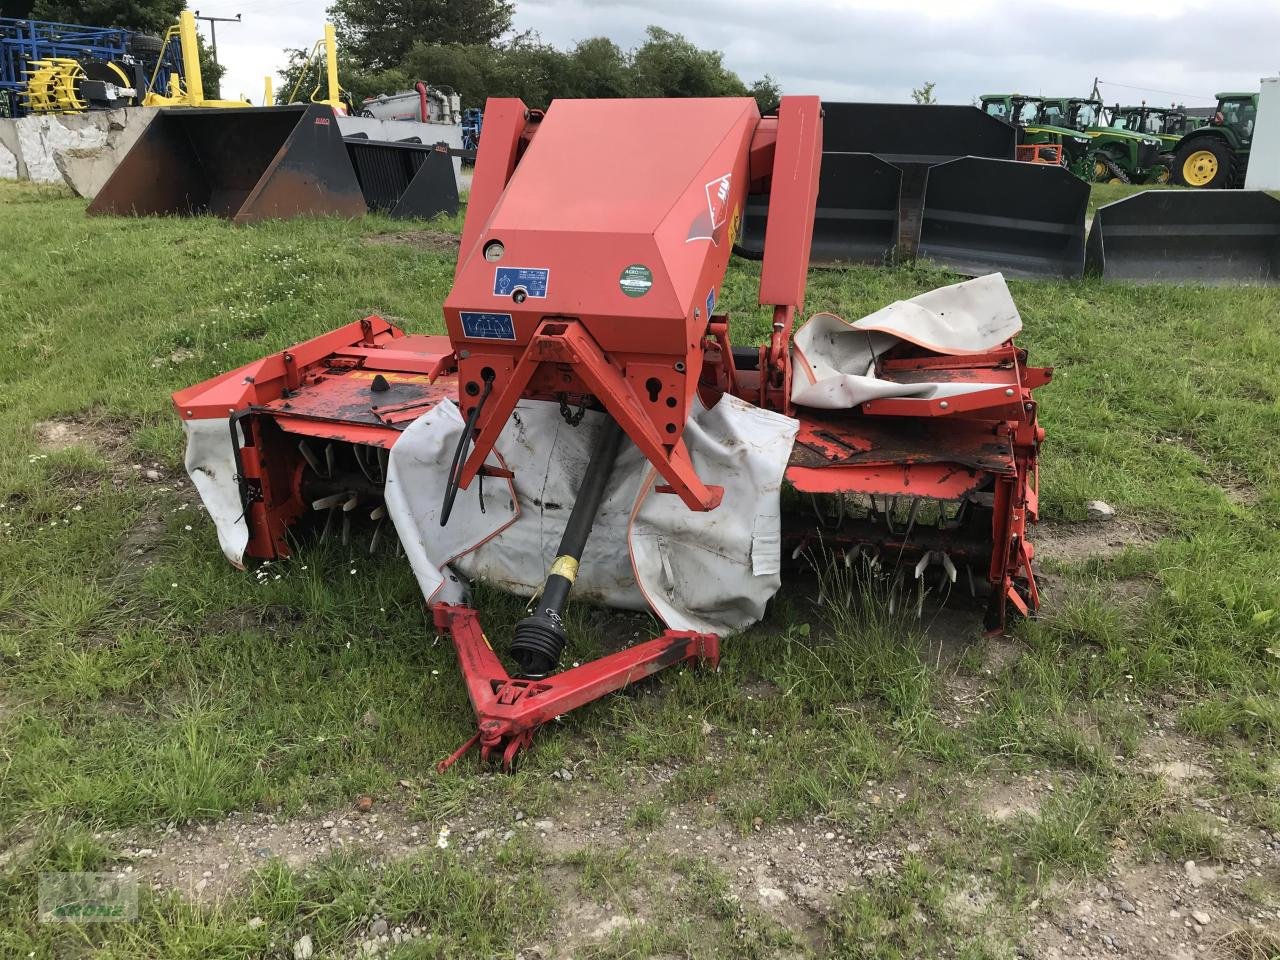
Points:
(665, 65)
(153, 16)
(924, 94)
(767, 92)
(668, 65)
(381, 33)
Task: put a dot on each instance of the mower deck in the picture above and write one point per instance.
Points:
(569, 289)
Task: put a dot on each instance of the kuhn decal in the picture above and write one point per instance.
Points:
(710, 225)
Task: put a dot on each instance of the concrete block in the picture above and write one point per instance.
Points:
(86, 169)
(40, 137)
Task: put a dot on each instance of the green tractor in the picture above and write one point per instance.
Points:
(1166, 124)
(1119, 156)
(1026, 113)
(1216, 156)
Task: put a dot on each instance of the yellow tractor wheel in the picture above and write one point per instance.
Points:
(1205, 162)
(1199, 168)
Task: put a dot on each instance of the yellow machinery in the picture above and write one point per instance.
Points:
(329, 45)
(187, 91)
(57, 84)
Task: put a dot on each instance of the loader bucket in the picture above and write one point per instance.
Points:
(404, 179)
(911, 133)
(244, 164)
(1022, 219)
(1189, 236)
(857, 214)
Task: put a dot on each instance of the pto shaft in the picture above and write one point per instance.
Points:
(539, 639)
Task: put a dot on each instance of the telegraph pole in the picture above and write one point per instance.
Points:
(213, 29)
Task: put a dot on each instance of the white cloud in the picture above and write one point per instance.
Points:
(877, 49)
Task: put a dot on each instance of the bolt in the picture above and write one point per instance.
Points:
(189, 413)
(1009, 392)
(944, 405)
(679, 366)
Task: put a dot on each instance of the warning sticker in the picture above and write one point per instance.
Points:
(488, 326)
(636, 280)
(711, 301)
(532, 280)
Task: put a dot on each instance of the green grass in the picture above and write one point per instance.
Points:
(144, 689)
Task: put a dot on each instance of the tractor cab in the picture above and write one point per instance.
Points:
(1168, 124)
(1238, 112)
(1014, 108)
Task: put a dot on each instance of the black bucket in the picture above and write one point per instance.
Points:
(1022, 219)
(914, 133)
(857, 214)
(245, 164)
(404, 178)
(1188, 236)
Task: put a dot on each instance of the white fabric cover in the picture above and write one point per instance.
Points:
(709, 571)
(211, 464)
(833, 361)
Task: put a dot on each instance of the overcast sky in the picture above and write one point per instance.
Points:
(877, 49)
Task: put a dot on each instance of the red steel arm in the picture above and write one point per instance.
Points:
(504, 122)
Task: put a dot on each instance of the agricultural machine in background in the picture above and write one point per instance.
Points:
(1040, 142)
(60, 68)
(1167, 124)
(589, 406)
(1216, 155)
(472, 124)
(1118, 156)
(424, 103)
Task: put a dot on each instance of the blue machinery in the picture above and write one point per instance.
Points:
(83, 66)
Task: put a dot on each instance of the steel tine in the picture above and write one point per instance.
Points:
(358, 449)
(305, 449)
(328, 459)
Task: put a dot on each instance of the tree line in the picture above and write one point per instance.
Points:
(472, 47)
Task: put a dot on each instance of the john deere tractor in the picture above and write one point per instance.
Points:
(1166, 124)
(1026, 113)
(1119, 156)
(1216, 156)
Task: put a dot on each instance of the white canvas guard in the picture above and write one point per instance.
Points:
(709, 571)
(833, 361)
(211, 465)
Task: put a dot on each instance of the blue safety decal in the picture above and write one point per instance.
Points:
(488, 326)
(532, 280)
(711, 301)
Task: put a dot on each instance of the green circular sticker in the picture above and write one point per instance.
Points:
(636, 280)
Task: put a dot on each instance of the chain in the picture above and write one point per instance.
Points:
(571, 418)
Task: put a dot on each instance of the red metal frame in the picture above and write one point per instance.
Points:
(509, 710)
(1039, 153)
(643, 363)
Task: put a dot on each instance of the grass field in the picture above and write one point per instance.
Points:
(851, 783)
